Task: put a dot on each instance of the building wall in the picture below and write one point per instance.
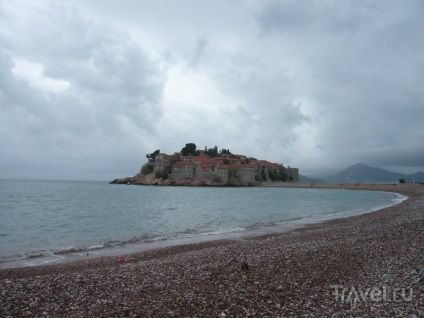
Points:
(293, 173)
(161, 162)
(181, 172)
(247, 174)
(222, 173)
(204, 169)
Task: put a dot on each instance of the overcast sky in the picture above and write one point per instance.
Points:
(88, 88)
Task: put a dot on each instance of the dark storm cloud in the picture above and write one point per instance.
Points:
(90, 87)
(367, 72)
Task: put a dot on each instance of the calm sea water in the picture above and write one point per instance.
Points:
(41, 218)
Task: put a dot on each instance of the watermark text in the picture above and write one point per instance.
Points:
(354, 295)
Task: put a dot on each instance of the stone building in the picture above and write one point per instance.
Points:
(203, 168)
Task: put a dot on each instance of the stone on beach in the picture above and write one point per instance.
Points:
(295, 274)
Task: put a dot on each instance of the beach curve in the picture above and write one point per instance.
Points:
(323, 269)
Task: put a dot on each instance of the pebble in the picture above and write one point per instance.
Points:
(289, 275)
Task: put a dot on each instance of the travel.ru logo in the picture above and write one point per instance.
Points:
(354, 295)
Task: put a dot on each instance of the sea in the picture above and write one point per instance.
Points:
(44, 221)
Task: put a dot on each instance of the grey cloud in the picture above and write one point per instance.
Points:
(201, 44)
(366, 74)
(324, 85)
(331, 18)
(114, 97)
(285, 16)
(269, 113)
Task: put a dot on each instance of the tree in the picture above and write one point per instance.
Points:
(283, 176)
(233, 171)
(278, 174)
(190, 150)
(146, 169)
(225, 152)
(212, 152)
(273, 176)
(263, 175)
(233, 177)
(153, 154)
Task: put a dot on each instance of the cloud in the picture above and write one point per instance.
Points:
(88, 88)
(201, 44)
(75, 93)
(362, 75)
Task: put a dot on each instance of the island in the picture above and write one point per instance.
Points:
(208, 167)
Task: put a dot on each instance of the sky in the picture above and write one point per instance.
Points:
(88, 88)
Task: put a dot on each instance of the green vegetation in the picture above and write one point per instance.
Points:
(233, 171)
(284, 177)
(263, 175)
(153, 154)
(146, 169)
(273, 176)
(233, 177)
(206, 169)
(190, 150)
(212, 152)
(225, 152)
(216, 179)
(277, 175)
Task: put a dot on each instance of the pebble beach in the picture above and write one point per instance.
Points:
(370, 265)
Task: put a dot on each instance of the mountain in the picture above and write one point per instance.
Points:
(417, 177)
(364, 173)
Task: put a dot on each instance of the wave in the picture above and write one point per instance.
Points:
(399, 198)
(29, 255)
(185, 234)
(145, 239)
(224, 231)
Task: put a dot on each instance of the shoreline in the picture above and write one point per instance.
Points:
(290, 273)
(133, 249)
(127, 248)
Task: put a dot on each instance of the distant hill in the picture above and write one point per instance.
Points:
(364, 173)
(417, 176)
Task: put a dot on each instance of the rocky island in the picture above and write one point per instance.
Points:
(208, 167)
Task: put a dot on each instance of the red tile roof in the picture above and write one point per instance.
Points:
(183, 164)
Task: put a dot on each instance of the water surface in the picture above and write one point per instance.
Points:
(44, 218)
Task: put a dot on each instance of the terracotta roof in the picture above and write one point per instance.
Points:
(206, 163)
(184, 163)
(221, 159)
